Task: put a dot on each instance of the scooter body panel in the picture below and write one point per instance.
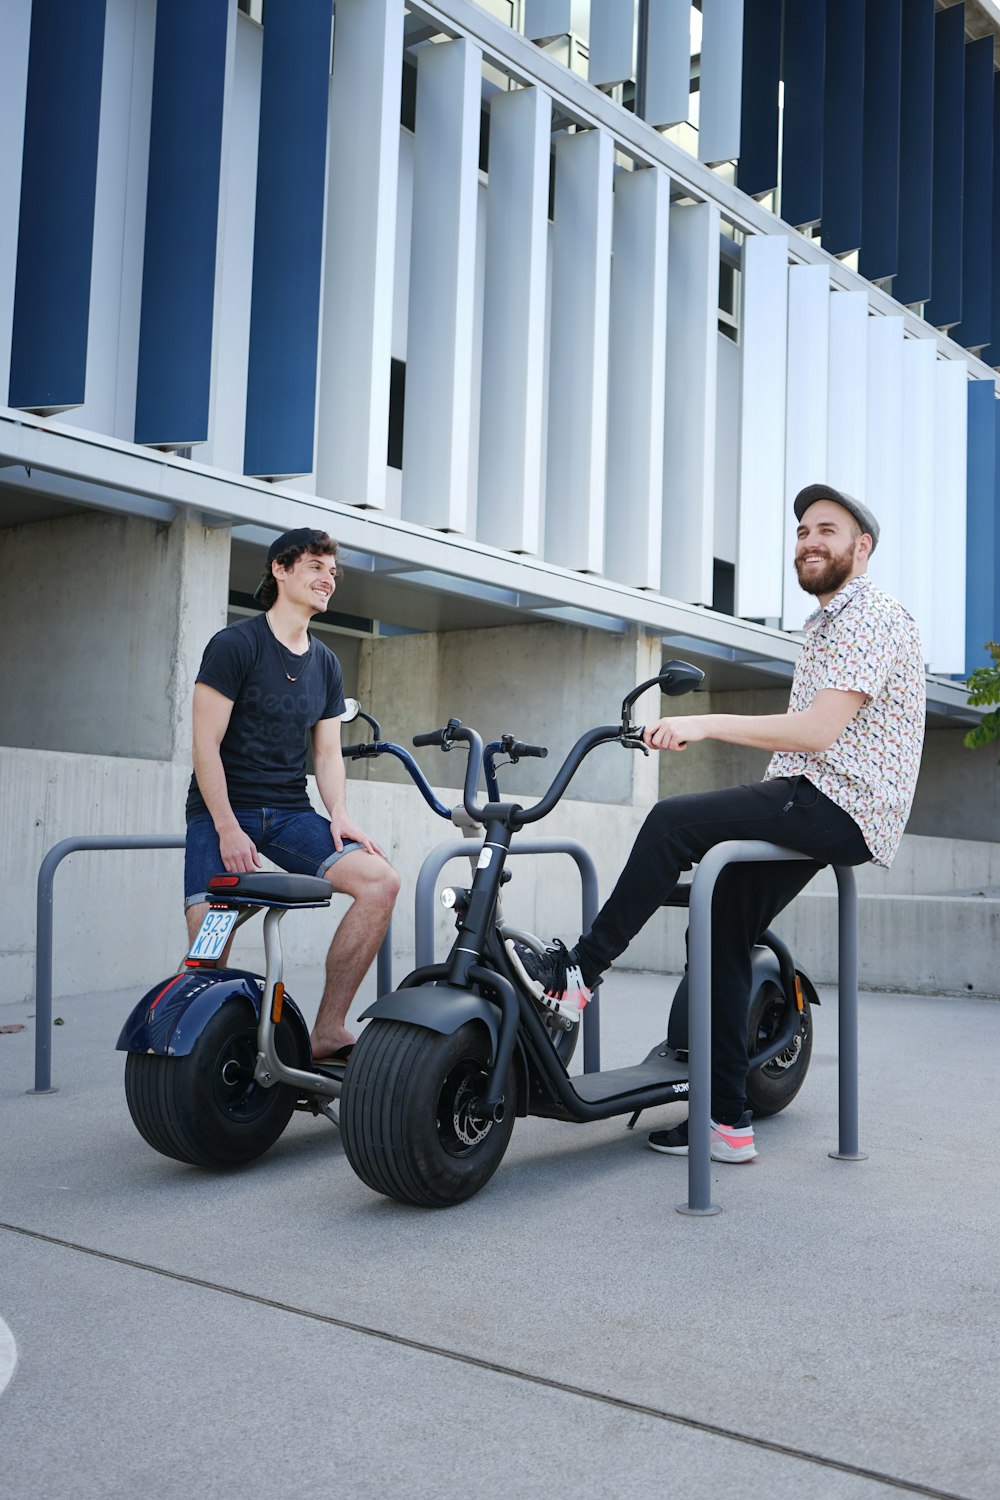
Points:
(169, 1019)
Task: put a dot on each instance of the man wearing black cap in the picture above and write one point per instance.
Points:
(838, 788)
(265, 688)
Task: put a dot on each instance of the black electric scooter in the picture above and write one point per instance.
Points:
(451, 1057)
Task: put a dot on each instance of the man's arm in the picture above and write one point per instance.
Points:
(813, 729)
(211, 714)
(331, 782)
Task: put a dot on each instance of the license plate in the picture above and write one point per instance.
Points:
(213, 934)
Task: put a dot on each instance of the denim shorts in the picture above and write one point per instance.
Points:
(298, 840)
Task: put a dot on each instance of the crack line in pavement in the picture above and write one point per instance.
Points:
(586, 1393)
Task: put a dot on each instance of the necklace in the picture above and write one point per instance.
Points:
(283, 648)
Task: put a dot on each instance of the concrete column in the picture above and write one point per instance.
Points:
(105, 665)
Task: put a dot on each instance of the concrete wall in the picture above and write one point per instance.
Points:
(103, 620)
(544, 683)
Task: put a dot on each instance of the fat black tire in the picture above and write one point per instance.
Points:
(404, 1116)
(206, 1108)
(774, 1085)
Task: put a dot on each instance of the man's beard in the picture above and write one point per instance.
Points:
(829, 578)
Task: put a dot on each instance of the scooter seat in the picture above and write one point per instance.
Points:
(680, 895)
(271, 890)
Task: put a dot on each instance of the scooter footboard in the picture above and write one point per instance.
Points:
(169, 1019)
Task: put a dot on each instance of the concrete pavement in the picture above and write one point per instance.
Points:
(832, 1333)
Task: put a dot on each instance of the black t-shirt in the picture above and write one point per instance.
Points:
(264, 748)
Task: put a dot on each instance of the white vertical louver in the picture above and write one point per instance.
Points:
(691, 403)
(806, 406)
(512, 406)
(442, 287)
(761, 531)
(363, 182)
(578, 351)
(637, 373)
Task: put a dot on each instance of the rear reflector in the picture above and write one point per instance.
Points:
(217, 881)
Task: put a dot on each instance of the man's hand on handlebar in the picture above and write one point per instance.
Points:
(673, 733)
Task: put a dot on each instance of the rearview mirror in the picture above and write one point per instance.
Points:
(674, 678)
(677, 677)
(351, 710)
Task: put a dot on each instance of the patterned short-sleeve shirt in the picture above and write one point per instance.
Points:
(863, 641)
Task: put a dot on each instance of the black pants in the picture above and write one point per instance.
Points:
(678, 833)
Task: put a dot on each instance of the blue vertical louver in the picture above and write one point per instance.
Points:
(48, 365)
(991, 354)
(880, 171)
(757, 168)
(182, 214)
(916, 162)
(981, 523)
(287, 254)
(945, 306)
(843, 116)
(803, 68)
(977, 208)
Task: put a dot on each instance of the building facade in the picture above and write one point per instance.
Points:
(546, 310)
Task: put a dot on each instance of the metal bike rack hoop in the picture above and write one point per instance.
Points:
(755, 851)
(43, 936)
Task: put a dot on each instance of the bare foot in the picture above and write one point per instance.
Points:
(330, 1043)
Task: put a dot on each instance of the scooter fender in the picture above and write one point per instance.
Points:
(764, 967)
(169, 1019)
(437, 1008)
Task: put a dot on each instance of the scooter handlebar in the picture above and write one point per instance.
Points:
(520, 751)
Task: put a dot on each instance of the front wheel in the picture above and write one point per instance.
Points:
(408, 1115)
(207, 1108)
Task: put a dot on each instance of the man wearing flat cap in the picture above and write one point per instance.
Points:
(265, 690)
(838, 789)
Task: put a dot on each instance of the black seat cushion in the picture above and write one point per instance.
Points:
(267, 889)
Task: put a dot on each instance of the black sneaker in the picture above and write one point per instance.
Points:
(553, 977)
(729, 1142)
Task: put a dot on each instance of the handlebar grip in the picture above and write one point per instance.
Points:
(353, 752)
(435, 737)
(521, 750)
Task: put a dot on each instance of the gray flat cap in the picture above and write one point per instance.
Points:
(861, 513)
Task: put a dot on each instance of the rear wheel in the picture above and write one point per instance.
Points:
(775, 1083)
(207, 1108)
(408, 1115)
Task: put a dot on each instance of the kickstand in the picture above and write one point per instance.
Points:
(631, 1123)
